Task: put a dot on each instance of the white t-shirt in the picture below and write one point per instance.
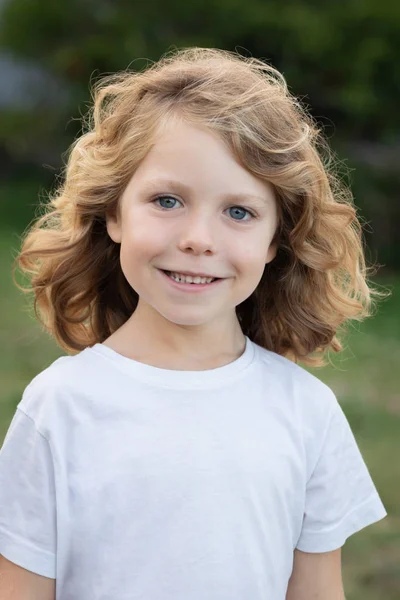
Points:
(130, 482)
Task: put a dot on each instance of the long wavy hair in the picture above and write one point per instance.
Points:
(316, 283)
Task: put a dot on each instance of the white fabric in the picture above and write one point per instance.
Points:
(126, 481)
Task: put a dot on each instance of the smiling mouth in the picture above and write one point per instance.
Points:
(193, 276)
(188, 274)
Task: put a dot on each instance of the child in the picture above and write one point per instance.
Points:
(197, 250)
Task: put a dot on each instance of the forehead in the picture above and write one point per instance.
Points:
(196, 157)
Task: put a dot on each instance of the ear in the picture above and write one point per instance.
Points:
(113, 223)
(272, 250)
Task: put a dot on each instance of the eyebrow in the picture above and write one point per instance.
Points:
(155, 184)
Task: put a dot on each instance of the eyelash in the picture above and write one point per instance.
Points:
(252, 215)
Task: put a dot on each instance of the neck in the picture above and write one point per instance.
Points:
(152, 339)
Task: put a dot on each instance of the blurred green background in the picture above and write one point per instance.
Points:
(342, 59)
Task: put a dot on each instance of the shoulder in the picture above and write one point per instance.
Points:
(53, 391)
(308, 403)
(306, 399)
(307, 390)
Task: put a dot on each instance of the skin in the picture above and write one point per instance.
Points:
(202, 230)
(316, 576)
(17, 583)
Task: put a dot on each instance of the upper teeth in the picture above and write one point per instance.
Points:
(189, 279)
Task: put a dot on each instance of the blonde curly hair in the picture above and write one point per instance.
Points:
(318, 280)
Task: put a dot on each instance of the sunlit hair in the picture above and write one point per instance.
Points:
(318, 280)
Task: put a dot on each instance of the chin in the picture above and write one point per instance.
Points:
(186, 321)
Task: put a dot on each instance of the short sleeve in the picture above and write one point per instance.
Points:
(341, 498)
(27, 498)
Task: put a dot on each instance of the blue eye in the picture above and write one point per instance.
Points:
(163, 198)
(242, 211)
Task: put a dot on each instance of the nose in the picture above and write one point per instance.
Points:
(197, 235)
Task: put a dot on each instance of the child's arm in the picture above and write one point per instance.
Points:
(316, 576)
(17, 583)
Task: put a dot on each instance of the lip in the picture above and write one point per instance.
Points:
(191, 274)
(190, 288)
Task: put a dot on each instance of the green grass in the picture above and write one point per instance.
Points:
(365, 378)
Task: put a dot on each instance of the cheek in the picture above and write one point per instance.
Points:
(249, 258)
(142, 241)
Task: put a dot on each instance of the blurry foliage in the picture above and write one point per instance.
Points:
(344, 55)
(340, 57)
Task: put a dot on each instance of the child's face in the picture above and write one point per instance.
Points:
(200, 230)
